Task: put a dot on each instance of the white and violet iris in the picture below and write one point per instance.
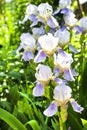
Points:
(28, 43)
(43, 75)
(69, 17)
(62, 95)
(31, 12)
(62, 62)
(48, 45)
(44, 14)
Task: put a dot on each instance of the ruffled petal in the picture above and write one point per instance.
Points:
(38, 90)
(51, 110)
(41, 56)
(76, 107)
(68, 75)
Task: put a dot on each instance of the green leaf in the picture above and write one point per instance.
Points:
(84, 122)
(11, 120)
(55, 124)
(74, 122)
(33, 124)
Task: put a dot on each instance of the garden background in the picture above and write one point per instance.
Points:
(17, 77)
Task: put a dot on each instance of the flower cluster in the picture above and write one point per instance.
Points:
(48, 42)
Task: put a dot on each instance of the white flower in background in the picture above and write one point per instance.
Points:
(63, 35)
(64, 3)
(83, 23)
(31, 12)
(62, 95)
(43, 75)
(31, 9)
(70, 20)
(44, 11)
(69, 17)
(48, 43)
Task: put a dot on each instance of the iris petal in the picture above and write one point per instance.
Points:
(38, 90)
(51, 110)
(41, 56)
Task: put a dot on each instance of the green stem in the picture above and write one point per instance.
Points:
(61, 124)
(62, 117)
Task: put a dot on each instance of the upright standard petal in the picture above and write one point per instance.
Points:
(43, 73)
(41, 56)
(48, 43)
(44, 11)
(76, 107)
(38, 90)
(51, 110)
(62, 93)
(64, 36)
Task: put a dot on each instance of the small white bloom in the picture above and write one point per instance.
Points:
(70, 19)
(43, 73)
(31, 9)
(63, 62)
(48, 43)
(83, 22)
(28, 42)
(64, 3)
(63, 35)
(44, 11)
(62, 93)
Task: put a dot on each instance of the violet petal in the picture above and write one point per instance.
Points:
(59, 81)
(27, 55)
(38, 90)
(51, 110)
(76, 107)
(41, 56)
(73, 49)
(56, 71)
(66, 11)
(52, 22)
(68, 75)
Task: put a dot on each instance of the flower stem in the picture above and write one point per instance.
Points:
(63, 117)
